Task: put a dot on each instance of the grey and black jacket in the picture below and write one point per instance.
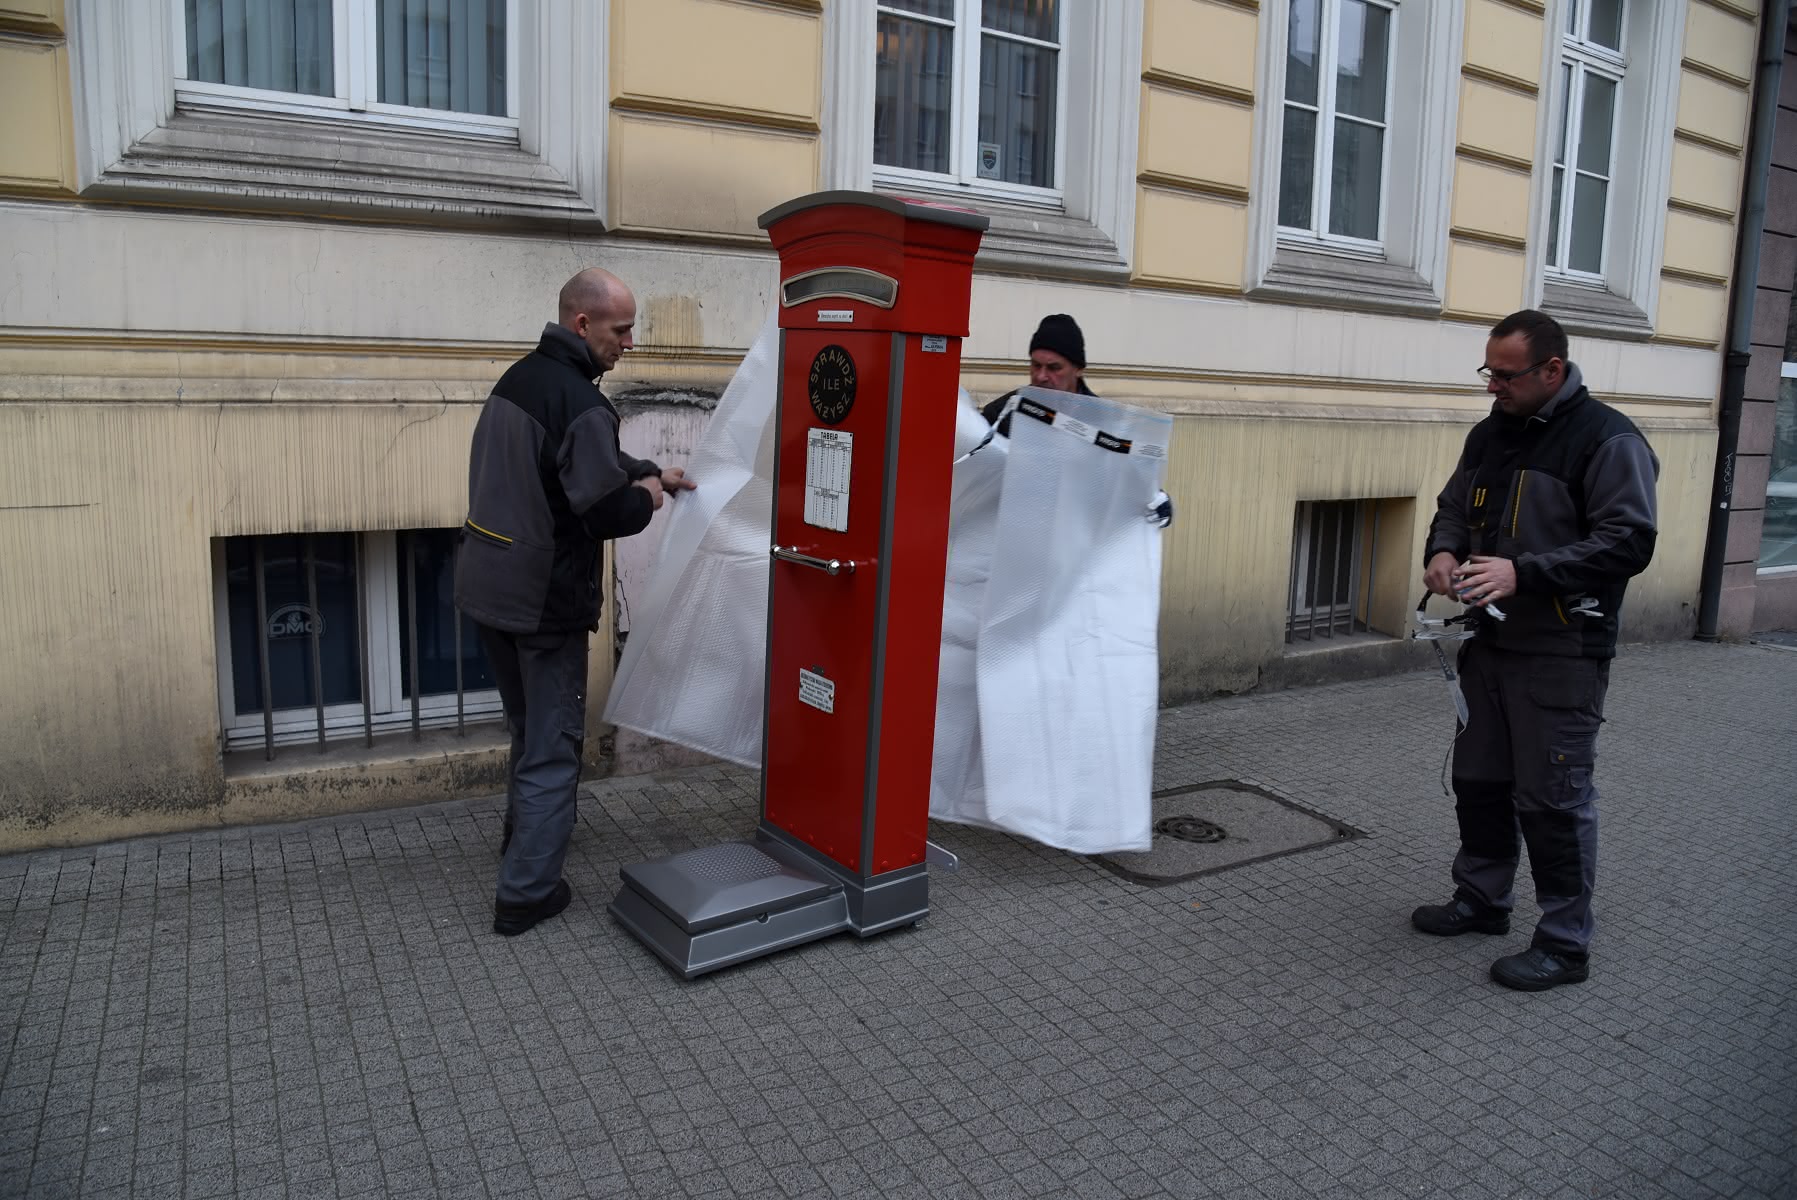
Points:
(547, 483)
(1568, 495)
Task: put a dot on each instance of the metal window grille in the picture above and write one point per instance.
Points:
(326, 636)
(1334, 546)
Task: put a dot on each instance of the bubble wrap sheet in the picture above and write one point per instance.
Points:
(1048, 679)
(693, 667)
(1066, 656)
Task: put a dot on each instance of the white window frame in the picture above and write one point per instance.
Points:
(1406, 271)
(384, 625)
(1579, 57)
(1624, 300)
(1328, 51)
(965, 110)
(1088, 229)
(142, 131)
(355, 75)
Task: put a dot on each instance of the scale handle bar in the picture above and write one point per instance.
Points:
(829, 566)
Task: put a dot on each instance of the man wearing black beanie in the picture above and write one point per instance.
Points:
(1057, 362)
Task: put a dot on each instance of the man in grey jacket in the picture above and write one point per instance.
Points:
(1550, 510)
(547, 484)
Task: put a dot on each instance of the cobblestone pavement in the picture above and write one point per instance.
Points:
(320, 1009)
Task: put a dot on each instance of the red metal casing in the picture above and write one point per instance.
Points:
(882, 285)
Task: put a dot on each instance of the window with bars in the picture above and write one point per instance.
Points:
(330, 636)
(1334, 144)
(1589, 83)
(970, 92)
(423, 61)
(1331, 592)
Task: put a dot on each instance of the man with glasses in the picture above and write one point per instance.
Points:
(1551, 510)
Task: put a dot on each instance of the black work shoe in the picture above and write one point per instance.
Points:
(1538, 969)
(1452, 920)
(509, 920)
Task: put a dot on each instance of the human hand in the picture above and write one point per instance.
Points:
(1484, 579)
(652, 485)
(674, 480)
(1160, 513)
(1439, 575)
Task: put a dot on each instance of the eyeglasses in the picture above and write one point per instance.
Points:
(1488, 373)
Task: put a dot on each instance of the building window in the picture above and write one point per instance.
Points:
(1332, 158)
(337, 635)
(398, 58)
(1355, 127)
(1778, 536)
(1331, 591)
(1590, 81)
(969, 90)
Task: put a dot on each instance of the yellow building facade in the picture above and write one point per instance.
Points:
(255, 292)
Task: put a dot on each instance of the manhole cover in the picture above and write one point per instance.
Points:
(1221, 824)
(1190, 829)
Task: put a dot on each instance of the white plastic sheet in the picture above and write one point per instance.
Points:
(1066, 658)
(1047, 688)
(693, 667)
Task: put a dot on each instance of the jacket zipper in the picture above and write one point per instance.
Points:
(1516, 503)
(1560, 611)
(488, 534)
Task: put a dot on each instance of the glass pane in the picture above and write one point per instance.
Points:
(1606, 23)
(1553, 218)
(1565, 113)
(1597, 121)
(1297, 168)
(281, 45)
(1778, 537)
(291, 619)
(1364, 53)
(443, 54)
(432, 567)
(1355, 177)
(913, 87)
(1017, 112)
(1303, 43)
(1588, 199)
(929, 8)
(1039, 19)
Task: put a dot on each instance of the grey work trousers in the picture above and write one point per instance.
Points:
(542, 681)
(1523, 763)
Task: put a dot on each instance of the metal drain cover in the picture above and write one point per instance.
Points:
(1190, 829)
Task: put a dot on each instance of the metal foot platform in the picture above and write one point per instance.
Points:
(703, 909)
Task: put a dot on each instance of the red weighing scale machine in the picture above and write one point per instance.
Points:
(874, 296)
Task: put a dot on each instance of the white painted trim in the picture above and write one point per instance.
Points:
(1419, 168)
(131, 138)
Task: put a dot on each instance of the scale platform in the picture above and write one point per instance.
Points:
(703, 909)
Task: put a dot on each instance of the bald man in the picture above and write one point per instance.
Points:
(547, 485)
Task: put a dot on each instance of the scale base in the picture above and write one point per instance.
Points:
(719, 905)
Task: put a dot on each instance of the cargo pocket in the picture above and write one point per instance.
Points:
(499, 579)
(1569, 766)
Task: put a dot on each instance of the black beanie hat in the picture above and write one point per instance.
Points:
(1060, 333)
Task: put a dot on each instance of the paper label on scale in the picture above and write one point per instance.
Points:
(817, 691)
(827, 455)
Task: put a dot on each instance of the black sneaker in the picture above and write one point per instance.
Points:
(510, 920)
(1538, 969)
(1452, 920)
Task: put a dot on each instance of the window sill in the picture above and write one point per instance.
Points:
(1031, 239)
(267, 161)
(1595, 312)
(1339, 281)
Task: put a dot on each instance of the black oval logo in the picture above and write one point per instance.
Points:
(832, 384)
